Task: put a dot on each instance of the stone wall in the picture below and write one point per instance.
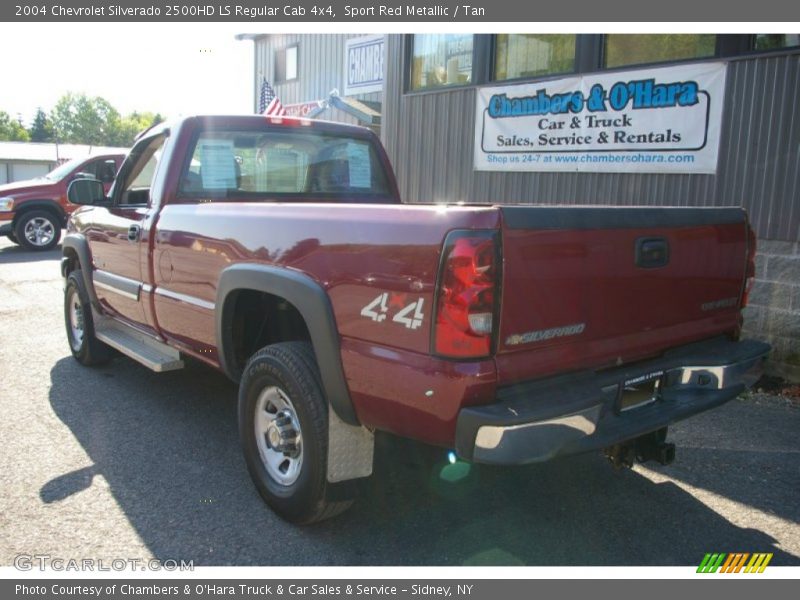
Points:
(773, 313)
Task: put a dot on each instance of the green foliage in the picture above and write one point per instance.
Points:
(79, 119)
(129, 126)
(12, 130)
(42, 129)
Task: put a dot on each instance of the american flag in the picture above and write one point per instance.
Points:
(269, 104)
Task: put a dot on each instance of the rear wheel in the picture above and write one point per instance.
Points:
(283, 425)
(38, 230)
(83, 344)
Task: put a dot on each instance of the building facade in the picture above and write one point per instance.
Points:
(338, 77)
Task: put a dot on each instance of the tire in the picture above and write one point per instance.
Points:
(83, 344)
(38, 230)
(13, 238)
(283, 426)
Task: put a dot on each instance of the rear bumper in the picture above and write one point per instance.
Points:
(537, 421)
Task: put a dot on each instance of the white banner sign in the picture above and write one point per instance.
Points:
(663, 120)
(363, 65)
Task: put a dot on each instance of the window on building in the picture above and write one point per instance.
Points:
(440, 60)
(627, 49)
(286, 64)
(776, 41)
(533, 55)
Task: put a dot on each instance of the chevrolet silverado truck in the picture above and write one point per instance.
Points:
(277, 251)
(33, 212)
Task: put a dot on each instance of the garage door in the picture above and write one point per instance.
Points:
(22, 171)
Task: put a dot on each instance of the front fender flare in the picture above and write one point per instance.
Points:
(41, 204)
(77, 243)
(313, 304)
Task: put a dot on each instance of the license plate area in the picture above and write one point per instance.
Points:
(639, 391)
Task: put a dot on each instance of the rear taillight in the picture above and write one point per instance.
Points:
(467, 295)
(750, 267)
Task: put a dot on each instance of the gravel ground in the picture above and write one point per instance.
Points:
(120, 462)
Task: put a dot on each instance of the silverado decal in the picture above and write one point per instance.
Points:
(545, 334)
(716, 304)
(378, 309)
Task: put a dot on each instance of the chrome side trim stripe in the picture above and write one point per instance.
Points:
(193, 300)
(122, 286)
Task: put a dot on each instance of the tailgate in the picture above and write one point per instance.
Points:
(591, 287)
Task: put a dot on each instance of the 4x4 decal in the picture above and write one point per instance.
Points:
(409, 315)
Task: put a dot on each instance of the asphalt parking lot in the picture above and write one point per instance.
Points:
(120, 462)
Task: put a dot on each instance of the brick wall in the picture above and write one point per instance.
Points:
(773, 313)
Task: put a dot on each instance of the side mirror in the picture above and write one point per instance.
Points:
(85, 191)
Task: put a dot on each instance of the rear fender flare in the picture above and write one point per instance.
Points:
(313, 304)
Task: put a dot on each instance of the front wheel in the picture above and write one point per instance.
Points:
(83, 344)
(37, 230)
(283, 425)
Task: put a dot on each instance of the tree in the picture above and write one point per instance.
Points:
(79, 119)
(131, 125)
(12, 130)
(42, 130)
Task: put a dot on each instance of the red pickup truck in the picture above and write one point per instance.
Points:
(33, 212)
(278, 251)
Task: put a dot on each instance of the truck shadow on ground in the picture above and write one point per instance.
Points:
(17, 254)
(167, 444)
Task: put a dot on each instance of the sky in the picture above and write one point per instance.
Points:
(194, 68)
(172, 69)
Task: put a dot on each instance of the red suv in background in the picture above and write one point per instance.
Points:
(33, 212)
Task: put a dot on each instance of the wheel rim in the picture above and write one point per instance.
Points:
(39, 231)
(278, 435)
(76, 324)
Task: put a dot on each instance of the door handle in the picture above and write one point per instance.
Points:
(134, 231)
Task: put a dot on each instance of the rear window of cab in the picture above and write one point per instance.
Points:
(286, 166)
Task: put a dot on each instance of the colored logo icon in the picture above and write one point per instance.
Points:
(735, 562)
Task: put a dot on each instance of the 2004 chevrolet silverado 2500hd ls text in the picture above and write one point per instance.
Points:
(277, 251)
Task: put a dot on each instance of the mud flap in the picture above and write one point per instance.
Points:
(350, 450)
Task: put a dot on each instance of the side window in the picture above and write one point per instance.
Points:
(87, 170)
(106, 170)
(102, 169)
(139, 178)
